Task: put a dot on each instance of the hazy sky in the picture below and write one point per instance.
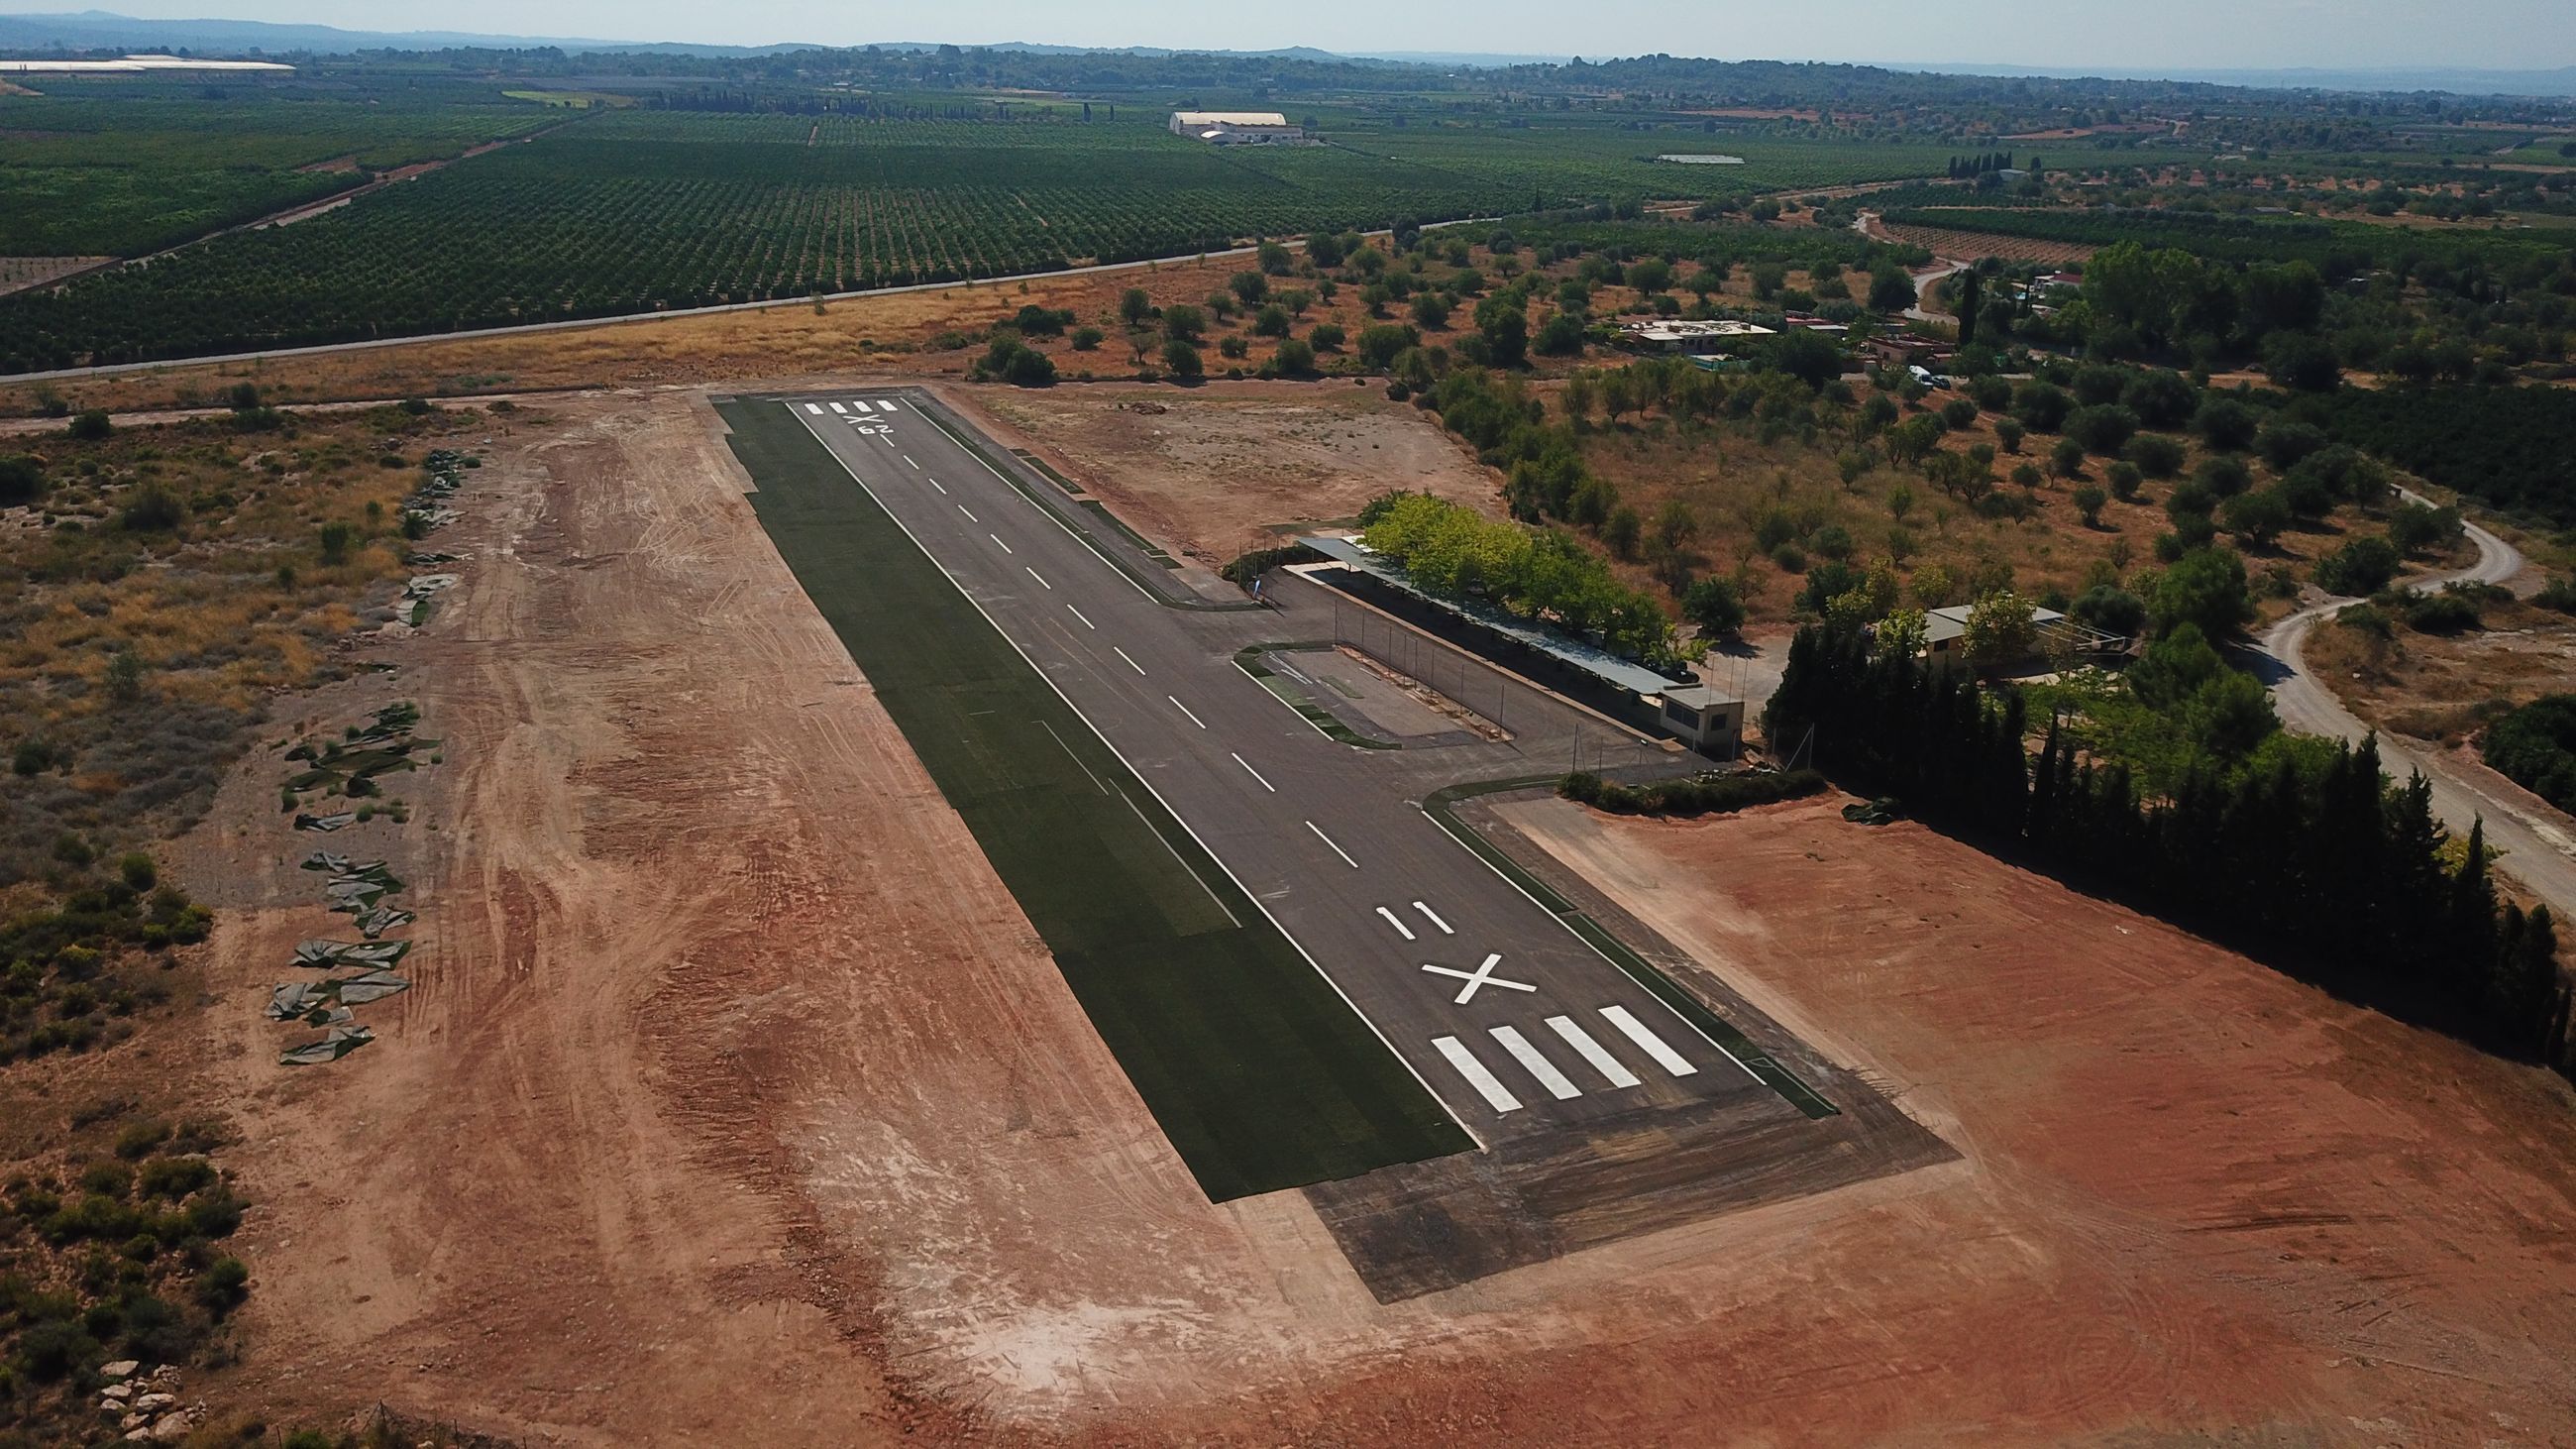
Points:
(2121, 34)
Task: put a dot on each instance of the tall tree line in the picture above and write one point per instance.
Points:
(2332, 874)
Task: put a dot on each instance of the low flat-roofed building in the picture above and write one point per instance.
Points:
(1671, 334)
(1236, 128)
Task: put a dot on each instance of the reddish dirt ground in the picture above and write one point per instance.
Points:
(1220, 469)
(737, 1101)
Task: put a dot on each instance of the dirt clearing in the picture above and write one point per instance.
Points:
(1230, 467)
(2203, 1196)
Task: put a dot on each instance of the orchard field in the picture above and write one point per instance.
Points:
(648, 209)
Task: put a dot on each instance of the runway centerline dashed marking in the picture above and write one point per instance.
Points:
(1537, 1066)
(1435, 918)
(1247, 767)
(1086, 621)
(1647, 1042)
(1328, 840)
(1185, 709)
(1487, 1085)
(970, 513)
(907, 459)
(1591, 1051)
(1041, 578)
(997, 538)
(1131, 663)
(935, 484)
(1396, 921)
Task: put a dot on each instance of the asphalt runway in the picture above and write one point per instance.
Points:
(1514, 1023)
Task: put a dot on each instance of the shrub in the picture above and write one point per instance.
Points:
(1959, 414)
(1712, 604)
(2535, 746)
(2285, 445)
(2103, 429)
(2443, 613)
(2009, 432)
(1791, 558)
(2125, 480)
(2041, 407)
(2223, 477)
(2088, 502)
(2157, 456)
(2225, 424)
(2360, 568)
(91, 427)
(1701, 795)
(151, 509)
(1087, 339)
(2066, 460)
(22, 480)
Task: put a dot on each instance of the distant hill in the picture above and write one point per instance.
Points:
(101, 30)
(2403, 80)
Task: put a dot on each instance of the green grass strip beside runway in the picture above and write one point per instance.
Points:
(1258, 1072)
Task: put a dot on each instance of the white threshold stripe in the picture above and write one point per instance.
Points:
(1328, 840)
(1396, 921)
(815, 408)
(1591, 1051)
(997, 538)
(1185, 709)
(1086, 622)
(1538, 1066)
(1647, 1042)
(836, 407)
(970, 513)
(1496, 1095)
(1041, 578)
(1435, 918)
(1132, 664)
(884, 406)
(1247, 768)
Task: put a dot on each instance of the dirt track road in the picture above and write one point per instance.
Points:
(2539, 852)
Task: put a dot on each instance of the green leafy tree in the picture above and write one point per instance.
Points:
(2205, 589)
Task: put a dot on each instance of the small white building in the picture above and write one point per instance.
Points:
(1672, 334)
(1236, 128)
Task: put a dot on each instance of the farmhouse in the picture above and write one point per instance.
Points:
(1236, 128)
(1945, 633)
(1674, 335)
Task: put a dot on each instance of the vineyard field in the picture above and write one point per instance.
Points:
(642, 210)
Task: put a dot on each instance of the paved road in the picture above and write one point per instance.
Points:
(2538, 851)
(1509, 1018)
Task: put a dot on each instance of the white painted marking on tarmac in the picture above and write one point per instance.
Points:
(907, 459)
(997, 538)
(1041, 578)
(1247, 767)
(1185, 709)
(970, 516)
(1592, 1051)
(815, 408)
(1328, 840)
(1649, 1043)
(1086, 622)
(1539, 1066)
(1482, 976)
(1174, 815)
(1435, 918)
(1132, 664)
(836, 407)
(1496, 1095)
(884, 406)
(935, 484)
(889, 439)
(1392, 919)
